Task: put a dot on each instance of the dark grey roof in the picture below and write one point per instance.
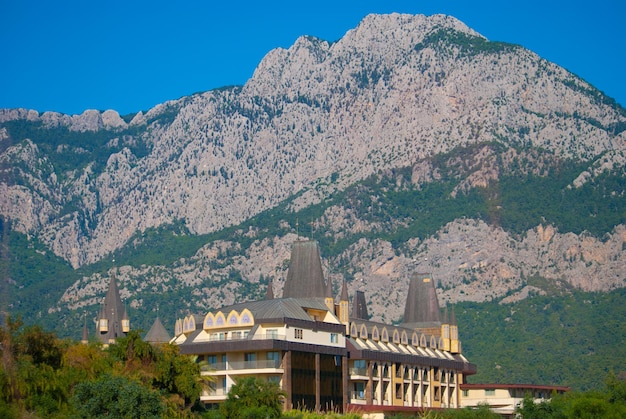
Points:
(305, 278)
(279, 308)
(85, 336)
(114, 312)
(157, 333)
(421, 302)
(344, 292)
(359, 307)
(269, 293)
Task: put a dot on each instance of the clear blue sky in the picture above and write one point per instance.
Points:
(69, 56)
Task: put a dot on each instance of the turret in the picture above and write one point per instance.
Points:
(85, 338)
(445, 330)
(125, 322)
(328, 296)
(455, 344)
(344, 311)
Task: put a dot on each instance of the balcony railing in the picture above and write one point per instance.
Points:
(258, 336)
(245, 365)
(215, 392)
(357, 395)
(358, 371)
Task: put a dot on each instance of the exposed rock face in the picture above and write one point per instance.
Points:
(391, 92)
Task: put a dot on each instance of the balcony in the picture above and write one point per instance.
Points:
(362, 372)
(214, 395)
(258, 336)
(244, 366)
(357, 395)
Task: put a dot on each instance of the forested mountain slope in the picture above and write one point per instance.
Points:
(410, 144)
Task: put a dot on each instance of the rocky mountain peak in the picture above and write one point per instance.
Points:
(392, 94)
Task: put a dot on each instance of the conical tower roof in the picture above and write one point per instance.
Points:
(85, 336)
(157, 333)
(113, 310)
(269, 293)
(422, 307)
(305, 278)
(359, 307)
(344, 292)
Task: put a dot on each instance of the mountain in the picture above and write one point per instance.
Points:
(412, 143)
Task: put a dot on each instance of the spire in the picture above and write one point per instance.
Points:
(157, 333)
(359, 306)
(269, 293)
(329, 289)
(344, 292)
(85, 337)
(421, 302)
(453, 317)
(328, 296)
(305, 278)
(110, 325)
(445, 315)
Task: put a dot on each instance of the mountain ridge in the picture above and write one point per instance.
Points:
(393, 95)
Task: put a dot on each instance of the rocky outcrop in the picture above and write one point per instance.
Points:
(316, 118)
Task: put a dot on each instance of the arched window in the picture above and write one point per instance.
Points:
(354, 331)
(220, 320)
(363, 332)
(209, 321)
(246, 317)
(233, 318)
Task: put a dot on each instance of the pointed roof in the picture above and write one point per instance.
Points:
(359, 307)
(269, 293)
(85, 337)
(305, 278)
(422, 306)
(453, 317)
(113, 310)
(157, 333)
(344, 292)
(329, 288)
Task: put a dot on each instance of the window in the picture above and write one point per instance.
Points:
(465, 393)
(212, 359)
(490, 392)
(274, 356)
(250, 356)
(298, 333)
(272, 333)
(236, 335)
(359, 363)
(334, 338)
(359, 391)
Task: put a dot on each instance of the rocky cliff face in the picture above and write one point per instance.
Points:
(314, 119)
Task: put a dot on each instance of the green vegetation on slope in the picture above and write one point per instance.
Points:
(572, 339)
(397, 210)
(43, 376)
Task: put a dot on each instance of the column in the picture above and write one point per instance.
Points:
(344, 382)
(287, 380)
(318, 383)
(369, 388)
